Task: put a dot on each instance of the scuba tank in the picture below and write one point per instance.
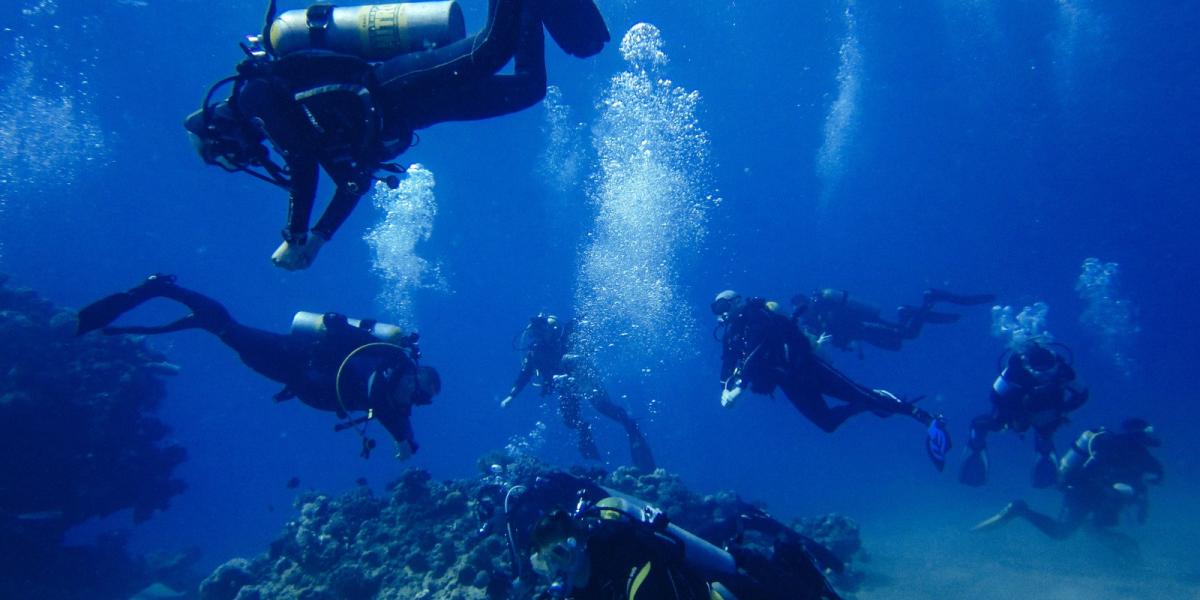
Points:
(373, 32)
(1077, 456)
(698, 553)
(313, 324)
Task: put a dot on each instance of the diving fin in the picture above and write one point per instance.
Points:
(639, 451)
(1013, 509)
(974, 469)
(1045, 473)
(935, 295)
(105, 310)
(937, 443)
(108, 309)
(576, 26)
(939, 318)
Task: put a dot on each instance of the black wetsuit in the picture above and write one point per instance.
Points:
(307, 366)
(1088, 492)
(764, 350)
(1020, 401)
(627, 561)
(562, 373)
(347, 116)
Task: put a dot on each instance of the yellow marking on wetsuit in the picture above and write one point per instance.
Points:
(714, 594)
(638, 579)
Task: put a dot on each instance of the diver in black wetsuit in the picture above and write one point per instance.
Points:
(615, 547)
(340, 113)
(763, 350)
(547, 343)
(337, 366)
(1103, 474)
(1036, 389)
(832, 313)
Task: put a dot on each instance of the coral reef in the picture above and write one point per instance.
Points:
(78, 440)
(429, 539)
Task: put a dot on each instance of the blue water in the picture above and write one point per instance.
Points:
(878, 147)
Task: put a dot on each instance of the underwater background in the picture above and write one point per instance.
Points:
(769, 147)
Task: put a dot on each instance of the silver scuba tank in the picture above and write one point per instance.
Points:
(372, 32)
(1077, 454)
(313, 324)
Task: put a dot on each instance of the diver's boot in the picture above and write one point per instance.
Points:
(108, 309)
(936, 295)
(575, 25)
(639, 450)
(1014, 509)
(974, 470)
(1045, 472)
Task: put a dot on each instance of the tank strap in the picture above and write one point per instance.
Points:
(318, 17)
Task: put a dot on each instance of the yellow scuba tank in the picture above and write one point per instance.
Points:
(372, 32)
(313, 324)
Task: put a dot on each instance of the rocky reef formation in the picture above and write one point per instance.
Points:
(426, 539)
(78, 440)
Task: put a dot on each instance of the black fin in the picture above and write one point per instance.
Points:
(576, 26)
(939, 318)
(106, 310)
(974, 470)
(639, 452)
(935, 295)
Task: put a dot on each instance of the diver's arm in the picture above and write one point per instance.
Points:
(303, 193)
(523, 379)
(399, 425)
(351, 185)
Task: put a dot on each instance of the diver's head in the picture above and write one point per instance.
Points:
(559, 550)
(220, 137)
(1140, 430)
(417, 388)
(1040, 362)
(725, 303)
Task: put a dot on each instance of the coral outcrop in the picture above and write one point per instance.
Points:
(428, 539)
(78, 440)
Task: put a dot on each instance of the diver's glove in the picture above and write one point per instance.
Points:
(733, 389)
(405, 449)
(937, 442)
(506, 401)
(298, 254)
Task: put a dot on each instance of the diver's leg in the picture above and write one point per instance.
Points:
(568, 407)
(806, 397)
(883, 335)
(639, 449)
(1045, 468)
(974, 469)
(1053, 528)
(468, 59)
(490, 96)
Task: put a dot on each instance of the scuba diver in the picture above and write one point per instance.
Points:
(329, 362)
(1036, 389)
(763, 349)
(831, 314)
(345, 88)
(1103, 474)
(546, 342)
(591, 543)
